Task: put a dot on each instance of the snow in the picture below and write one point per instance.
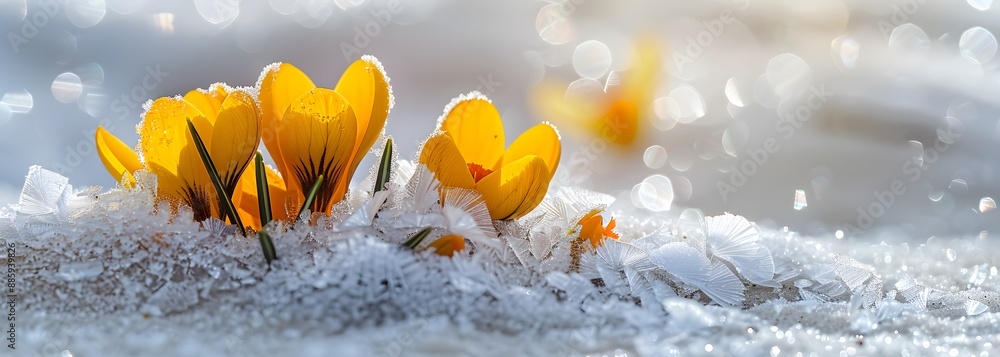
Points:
(114, 273)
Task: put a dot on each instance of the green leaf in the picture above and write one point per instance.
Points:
(263, 194)
(268, 246)
(418, 237)
(384, 168)
(228, 209)
(311, 196)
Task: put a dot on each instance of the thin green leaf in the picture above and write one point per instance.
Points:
(268, 246)
(263, 194)
(311, 196)
(228, 209)
(384, 167)
(418, 237)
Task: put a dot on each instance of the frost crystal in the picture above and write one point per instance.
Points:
(95, 261)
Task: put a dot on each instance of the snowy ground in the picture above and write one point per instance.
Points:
(107, 272)
(110, 273)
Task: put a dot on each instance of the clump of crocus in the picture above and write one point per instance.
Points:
(468, 152)
(229, 123)
(617, 114)
(312, 132)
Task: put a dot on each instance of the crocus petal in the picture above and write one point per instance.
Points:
(119, 159)
(245, 198)
(516, 189)
(317, 137)
(237, 131)
(448, 245)
(208, 101)
(442, 157)
(475, 125)
(366, 87)
(280, 84)
(542, 140)
(170, 154)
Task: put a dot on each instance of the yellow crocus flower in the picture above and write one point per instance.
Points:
(448, 245)
(228, 121)
(312, 131)
(617, 114)
(468, 152)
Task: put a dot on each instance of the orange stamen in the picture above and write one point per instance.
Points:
(478, 171)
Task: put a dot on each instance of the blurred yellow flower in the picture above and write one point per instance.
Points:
(468, 152)
(312, 131)
(448, 245)
(229, 116)
(618, 113)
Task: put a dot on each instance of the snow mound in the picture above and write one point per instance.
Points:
(115, 273)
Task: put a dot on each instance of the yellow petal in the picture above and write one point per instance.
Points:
(448, 245)
(366, 87)
(542, 140)
(238, 130)
(170, 154)
(475, 125)
(208, 101)
(279, 85)
(119, 159)
(442, 157)
(516, 189)
(245, 198)
(317, 138)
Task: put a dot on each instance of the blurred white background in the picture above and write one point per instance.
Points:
(849, 99)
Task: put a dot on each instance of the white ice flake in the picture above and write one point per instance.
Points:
(44, 200)
(734, 239)
(421, 190)
(723, 286)
(364, 215)
(683, 262)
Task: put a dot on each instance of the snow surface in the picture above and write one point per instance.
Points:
(115, 273)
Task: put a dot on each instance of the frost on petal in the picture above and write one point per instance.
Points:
(683, 262)
(723, 286)
(852, 272)
(731, 237)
